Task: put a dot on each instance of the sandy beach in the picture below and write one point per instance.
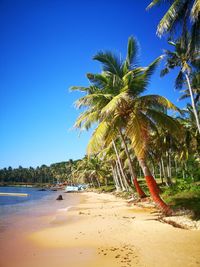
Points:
(101, 230)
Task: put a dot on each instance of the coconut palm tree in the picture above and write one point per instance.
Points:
(181, 12)
(140, 119)
(195, 84)
(93, 169)
(187, 61)
(129, 114)
(104, 88)
(116, 102)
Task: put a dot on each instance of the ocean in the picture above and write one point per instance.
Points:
(37, 204)
(15, 204)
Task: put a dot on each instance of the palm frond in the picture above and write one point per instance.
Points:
(137, 131)
(195, 37)
(140, 82)
(92, 99)
(98, 80)
(170, 17)
(132, 51)
(86, 119)
(180, 79)
(132, 74)
(111, 62)
(155, 101)
(154, 3)
(166, 122)
(151, 68)
(186, 95)
(115, 103)
(96, 142)
(164, 72)
(79, 88)
(195, 12)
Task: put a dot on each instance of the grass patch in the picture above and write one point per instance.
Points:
(105, 189)
(185, 196)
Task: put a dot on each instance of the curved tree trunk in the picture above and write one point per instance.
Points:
(120, 167)
(153, 188)
(193, 104)
(133, 174)
(120, 177)
(115, 178)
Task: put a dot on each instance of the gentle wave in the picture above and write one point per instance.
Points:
(65, 209)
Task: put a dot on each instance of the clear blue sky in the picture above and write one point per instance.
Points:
(46, 46)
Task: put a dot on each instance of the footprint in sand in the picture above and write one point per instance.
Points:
(125, 257)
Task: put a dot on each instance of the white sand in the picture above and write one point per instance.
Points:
(100, 231)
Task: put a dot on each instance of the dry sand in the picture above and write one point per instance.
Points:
(101, 230)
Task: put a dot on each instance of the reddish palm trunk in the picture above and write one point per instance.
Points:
(138, 188)
(153, 188)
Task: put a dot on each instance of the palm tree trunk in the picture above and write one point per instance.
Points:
(153, 168)
(98, 183)
(92, 182)
(120, 166)
(163, 168)
(161, 177)
(120, 177)
(153, 188)
(193, 103)
(133, 175)
(169, 169)
(176, 168)
(115, 178)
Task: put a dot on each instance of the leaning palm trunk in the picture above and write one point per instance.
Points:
(120, 166)
(163, 168)
(160, 169)
(193, 103)
(153, 188)
(115, 178)
(123, 177)
(98, 182)
(133, 175)
(120, 177)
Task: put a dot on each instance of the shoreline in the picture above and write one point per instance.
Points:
(99, 230)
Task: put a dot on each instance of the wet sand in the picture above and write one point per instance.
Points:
(101, 230)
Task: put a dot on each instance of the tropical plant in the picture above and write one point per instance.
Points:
(188, 62)
(105, 86)
(181, 13)
(126, 113)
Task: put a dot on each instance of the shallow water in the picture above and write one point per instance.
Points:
(14, 204)
(37, 204)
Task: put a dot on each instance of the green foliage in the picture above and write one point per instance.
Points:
(106, 189)
(44, 174)
(182, 185)
(184, 194)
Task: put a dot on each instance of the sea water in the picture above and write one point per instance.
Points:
(37, 203)
(18, 204)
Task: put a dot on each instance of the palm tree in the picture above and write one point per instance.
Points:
(181, 12)
(141, 118)
(187, 61)
(192, 137)
(104, 88)
(195, 80)
(93, 169)
(129, 114)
